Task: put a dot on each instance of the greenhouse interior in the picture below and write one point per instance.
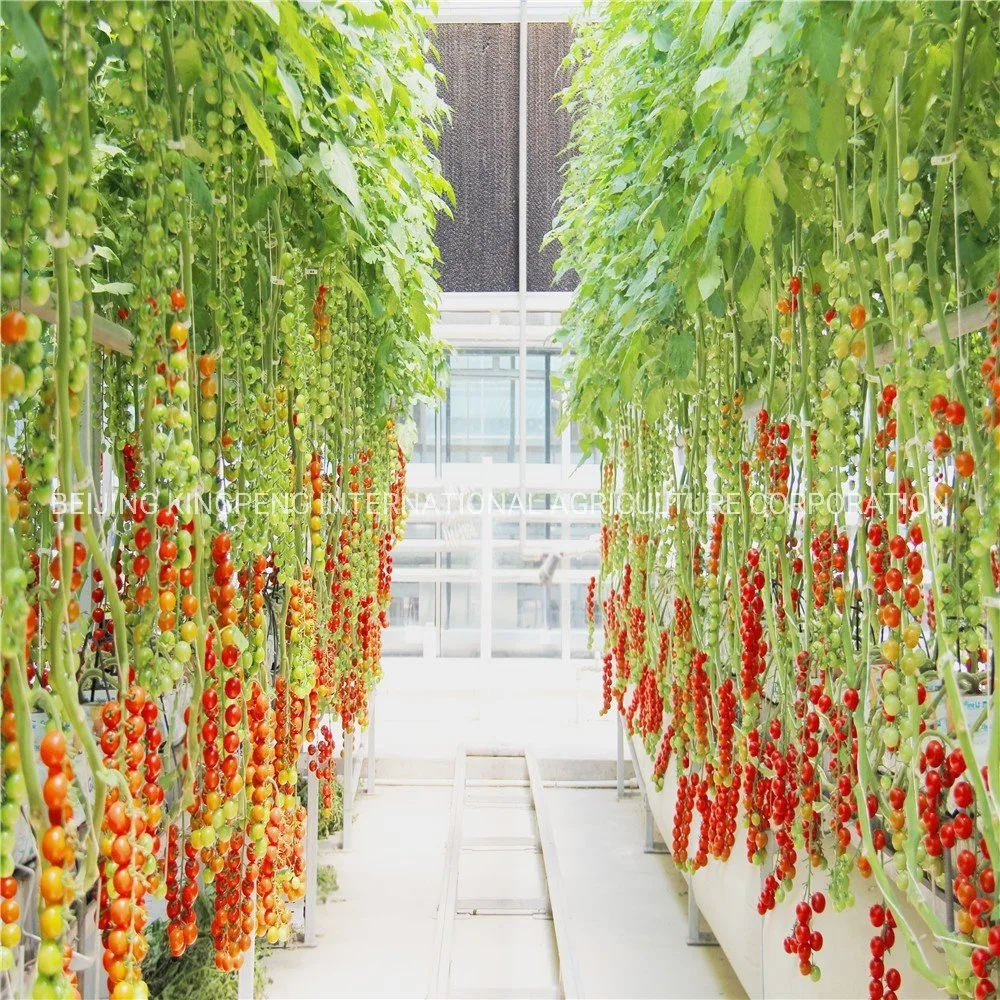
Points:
(501, 499)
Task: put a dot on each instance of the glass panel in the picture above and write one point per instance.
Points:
(526, 620)
(411, 613)
(459, 619)
(466, 559)
(586, 532)
(425, 417)
(508, 530)
(404, 556)
(420, 530)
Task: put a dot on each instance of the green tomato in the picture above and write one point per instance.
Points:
(38, 290)
(909, 168)
(14, 787)
(49, 958)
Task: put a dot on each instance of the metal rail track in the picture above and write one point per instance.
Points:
(494, 856)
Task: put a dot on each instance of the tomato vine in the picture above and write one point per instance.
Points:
(198, 532)
(782, 218)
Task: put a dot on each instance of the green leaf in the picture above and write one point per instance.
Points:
(258, 203)
(355, 286)
(751, 285)
(114, 287)
(270, 8)
(777, 179)
(662, 38)
(710, 277)
(292, 91)
(680, 353)
(298, 41)
(247, 101)
(29, 36)
(978, 188)
(337, 162)
(196, 185)
(798, 109)
(656, 403)
(710, 26)
(758, 207)
(832, 132)
(822, 40)
(738, 76)
(187, 62)
(21, 93)
(105, 253)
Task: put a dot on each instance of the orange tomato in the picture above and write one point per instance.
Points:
(54, 845)
(51, 886)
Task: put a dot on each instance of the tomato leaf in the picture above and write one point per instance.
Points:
(195, 184)
(978, 188)
(832, 132)
(298, 41)
(758, 207)
(36, 49)
(823, 39)
(247, 102)
(655, 403)
(258, 203)
(710, 277)
(337, 162)
(680, 353)
(292, 91)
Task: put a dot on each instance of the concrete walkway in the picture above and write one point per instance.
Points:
(376, 933)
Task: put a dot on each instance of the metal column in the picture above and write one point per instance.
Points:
(312, 860)
(347, 783)
(619, 755)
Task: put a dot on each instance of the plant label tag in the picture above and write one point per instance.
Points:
(882, 234)
(177, 144)
(944, 159)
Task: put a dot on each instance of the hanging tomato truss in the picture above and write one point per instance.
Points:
(784, 223)
(218, 279)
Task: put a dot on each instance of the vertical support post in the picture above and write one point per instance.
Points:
(347, 780)
(486, 564)
(564, 584)
(370, 746)
(312, 860)
(619, 755)
(88, 945)
(696, 936)
(522, 271)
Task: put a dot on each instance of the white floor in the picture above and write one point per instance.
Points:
(376, 934)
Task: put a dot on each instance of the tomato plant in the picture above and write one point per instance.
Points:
(782, 217)
(198, 525)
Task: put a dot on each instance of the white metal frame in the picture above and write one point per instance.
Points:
(503, 11)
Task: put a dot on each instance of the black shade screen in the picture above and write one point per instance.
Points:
(548, 137)
(479, 153)
(479, 156)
